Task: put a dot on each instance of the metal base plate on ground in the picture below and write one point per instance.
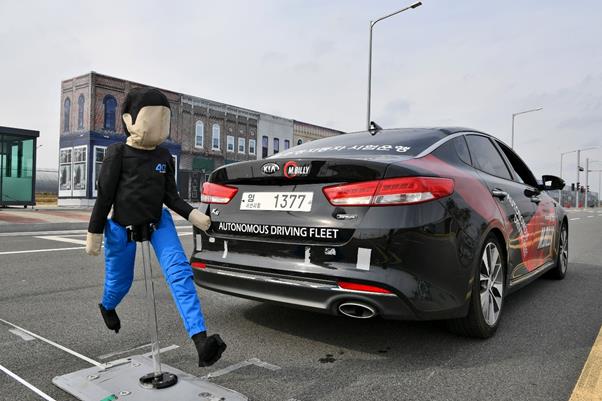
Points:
(120, 381)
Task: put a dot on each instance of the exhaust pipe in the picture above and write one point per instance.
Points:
(357, 310)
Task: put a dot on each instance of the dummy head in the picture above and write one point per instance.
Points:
(146, 115)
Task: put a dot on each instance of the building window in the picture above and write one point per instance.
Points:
(264, 147)
(287, 144)
(99, 156)
(230, 143)
(251, 146)
(65, 170)
(66, 114)
(79, 170)
(110, 108)
(199, 134)
(215, 137)
(241, 145)
(300, 141)
(80, 111)
(276, 145)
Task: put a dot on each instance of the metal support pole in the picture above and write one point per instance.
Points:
(157, 379)
(151, 309)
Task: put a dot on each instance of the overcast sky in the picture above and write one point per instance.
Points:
(463, 62)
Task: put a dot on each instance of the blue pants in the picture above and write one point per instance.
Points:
(119, 269)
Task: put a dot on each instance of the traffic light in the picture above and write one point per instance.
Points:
(572, 186)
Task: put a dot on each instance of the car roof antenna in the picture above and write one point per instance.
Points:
(374, 128)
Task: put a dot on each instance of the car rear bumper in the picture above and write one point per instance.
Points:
(317, 294)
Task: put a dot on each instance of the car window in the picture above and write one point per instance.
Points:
(523, 173)
(462, 149)
(486, 157)
(398, 142)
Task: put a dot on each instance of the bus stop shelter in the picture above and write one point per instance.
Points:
(17, 166)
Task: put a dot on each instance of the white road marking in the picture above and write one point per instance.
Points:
(575, 218)
(30, 233)
(63, 239)
(70, 351)
(164, 349)
(41, 250)
(589, 217)
(248, 362)
(62, 232)
(21, 334)
(26, 384)
(112, 354)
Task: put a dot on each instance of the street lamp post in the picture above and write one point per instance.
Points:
(518, 114)
(372, 23)
(561, 157)
(578, 173)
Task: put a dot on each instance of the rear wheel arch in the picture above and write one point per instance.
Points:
(500, 237)
(496, 231)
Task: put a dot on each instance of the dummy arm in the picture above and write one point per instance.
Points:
(174, 202)
(108, 180)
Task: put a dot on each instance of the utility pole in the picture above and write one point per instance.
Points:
(586, 182)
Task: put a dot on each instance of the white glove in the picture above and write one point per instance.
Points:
(93, 244)
(199, 220)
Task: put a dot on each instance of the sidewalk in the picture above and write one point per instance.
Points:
(50, 218)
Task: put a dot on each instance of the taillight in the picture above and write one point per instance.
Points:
(198, 265)
(390, 191)
(215, 193)
(346, 285)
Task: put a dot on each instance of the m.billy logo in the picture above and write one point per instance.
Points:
(292, 169)
(270, 168)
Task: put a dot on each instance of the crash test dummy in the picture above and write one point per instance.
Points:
(136, 179)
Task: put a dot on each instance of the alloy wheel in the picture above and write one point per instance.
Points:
(492, 283)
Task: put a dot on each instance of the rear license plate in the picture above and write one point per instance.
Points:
(281, 201)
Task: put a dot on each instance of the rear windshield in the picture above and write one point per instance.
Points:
(402, 142)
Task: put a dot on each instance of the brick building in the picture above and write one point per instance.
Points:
(204, 135)
(305, 132)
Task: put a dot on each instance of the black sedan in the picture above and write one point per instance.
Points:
(425, 223)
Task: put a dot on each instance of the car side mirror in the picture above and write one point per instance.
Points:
(551, 182)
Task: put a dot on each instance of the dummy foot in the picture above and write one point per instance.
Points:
(111, 319)
(210, 349)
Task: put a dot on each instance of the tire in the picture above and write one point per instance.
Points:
(558, 272)
(488, 291)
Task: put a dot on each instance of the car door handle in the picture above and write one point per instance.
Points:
(498, 193)
(535, 199)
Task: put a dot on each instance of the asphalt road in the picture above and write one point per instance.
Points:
(546, 333)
